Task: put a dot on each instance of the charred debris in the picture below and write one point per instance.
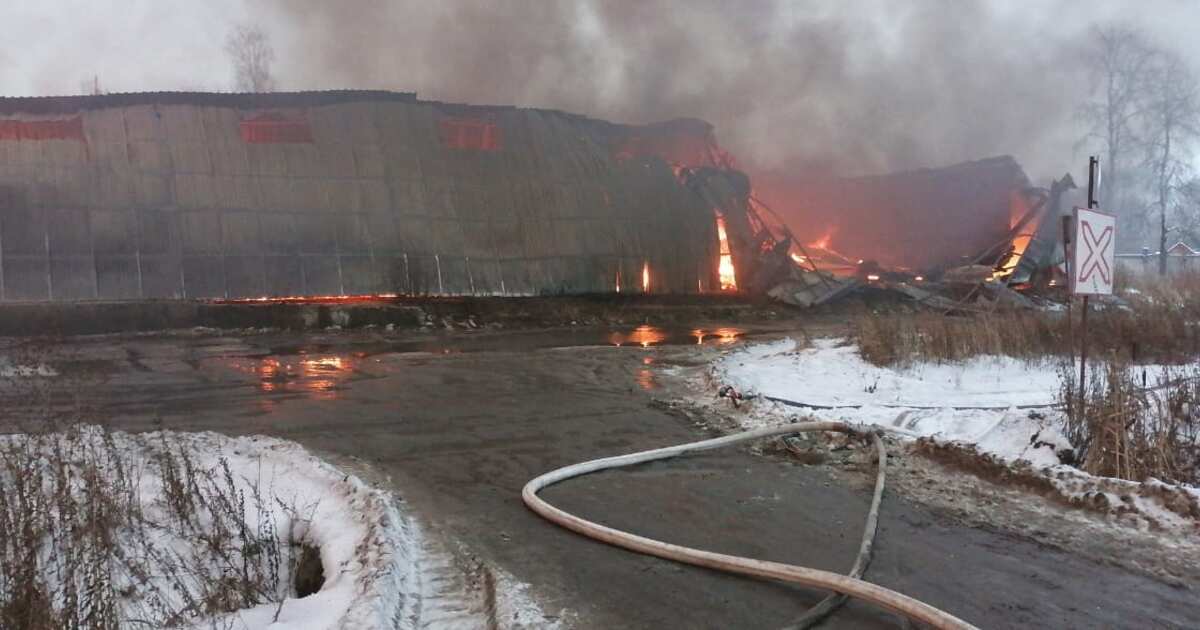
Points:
(966, 237)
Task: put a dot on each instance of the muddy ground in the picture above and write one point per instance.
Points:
(459, 421)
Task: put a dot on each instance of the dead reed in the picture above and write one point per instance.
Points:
(1155, 320)
(1129, 427)
(104, 531)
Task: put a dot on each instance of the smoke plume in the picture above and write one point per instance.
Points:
(854, 87)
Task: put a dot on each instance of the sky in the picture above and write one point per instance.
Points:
(854, 86)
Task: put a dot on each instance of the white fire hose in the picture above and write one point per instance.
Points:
(842, 585)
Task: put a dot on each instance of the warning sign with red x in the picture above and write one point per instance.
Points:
(1093, 265)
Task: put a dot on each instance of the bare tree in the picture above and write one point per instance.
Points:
(249, 49)
(91, 86)
(1172, 123)
(1120, 63)
(1187, 205)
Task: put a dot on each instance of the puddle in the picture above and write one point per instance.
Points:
(321, 371)
(641, 336)
(644, 336)
(644, 377)
(319, 376)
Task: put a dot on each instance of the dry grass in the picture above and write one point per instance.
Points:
(1124, 428)
(81, 546)
(888, 339)
(1157, 320)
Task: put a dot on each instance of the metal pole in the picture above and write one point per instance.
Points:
(1066, 240)
(1093, 166)
(1083, 349)
(1093, 163)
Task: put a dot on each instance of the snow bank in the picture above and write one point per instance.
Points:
(831, 373)
(1000, 406)
(368, 548)
(191, 512)
(832, 382)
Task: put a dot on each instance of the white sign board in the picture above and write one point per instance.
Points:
(1093, 264)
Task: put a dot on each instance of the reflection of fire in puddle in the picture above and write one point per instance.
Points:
(643, 335)
(721, 335)
(645, 376)
(318, 376)
(647, 336)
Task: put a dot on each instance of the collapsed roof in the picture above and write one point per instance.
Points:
(922, 220)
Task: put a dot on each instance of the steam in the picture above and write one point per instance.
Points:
(851, 87)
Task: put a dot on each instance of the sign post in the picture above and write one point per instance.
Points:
(1092, 264)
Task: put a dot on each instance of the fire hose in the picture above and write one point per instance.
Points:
(843, 585)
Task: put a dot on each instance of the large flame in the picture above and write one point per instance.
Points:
(1019, 207)
(725, 267)
(824, 241)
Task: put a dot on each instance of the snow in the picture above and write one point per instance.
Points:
(832, 382)
(8, 369)
(1001, 406)
(364, 588)
(375, 559)
(830, 373)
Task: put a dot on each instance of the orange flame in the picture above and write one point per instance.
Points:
(1019, 206)
(725, 268)
(823, 242)
(645, 277)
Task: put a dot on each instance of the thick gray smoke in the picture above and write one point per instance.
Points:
(864, 86)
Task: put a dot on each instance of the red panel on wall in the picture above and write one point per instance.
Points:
(471, 134)
(275, 128)
(58, 129)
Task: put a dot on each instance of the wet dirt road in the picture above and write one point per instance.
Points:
(460, 424)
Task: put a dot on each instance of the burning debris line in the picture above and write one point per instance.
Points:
(958, 237)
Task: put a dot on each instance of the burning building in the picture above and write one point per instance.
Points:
(921, 221)
(193, 195)
(367, 193)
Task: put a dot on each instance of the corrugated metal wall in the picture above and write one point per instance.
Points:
(179, 200)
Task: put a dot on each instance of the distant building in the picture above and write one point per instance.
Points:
(1181, 257)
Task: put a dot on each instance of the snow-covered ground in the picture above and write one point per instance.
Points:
(986, 401)
(1001, 406)
(380, 571)
(369, 549)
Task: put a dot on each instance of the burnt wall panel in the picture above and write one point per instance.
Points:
(117, 277)
(284, 276)
(22, 231)
(203, 277)
(244, 276)
(322, 275)
(72, 278)
(157, 233)
(114, 232)
(316, 234)
(179, 199)
(26, 278)
(454, 277)
(360, 276)
(393, 270)
(161, 276)
(200, 232)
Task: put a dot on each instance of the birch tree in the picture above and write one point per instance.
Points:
(1171, 127)
(1120, 62)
